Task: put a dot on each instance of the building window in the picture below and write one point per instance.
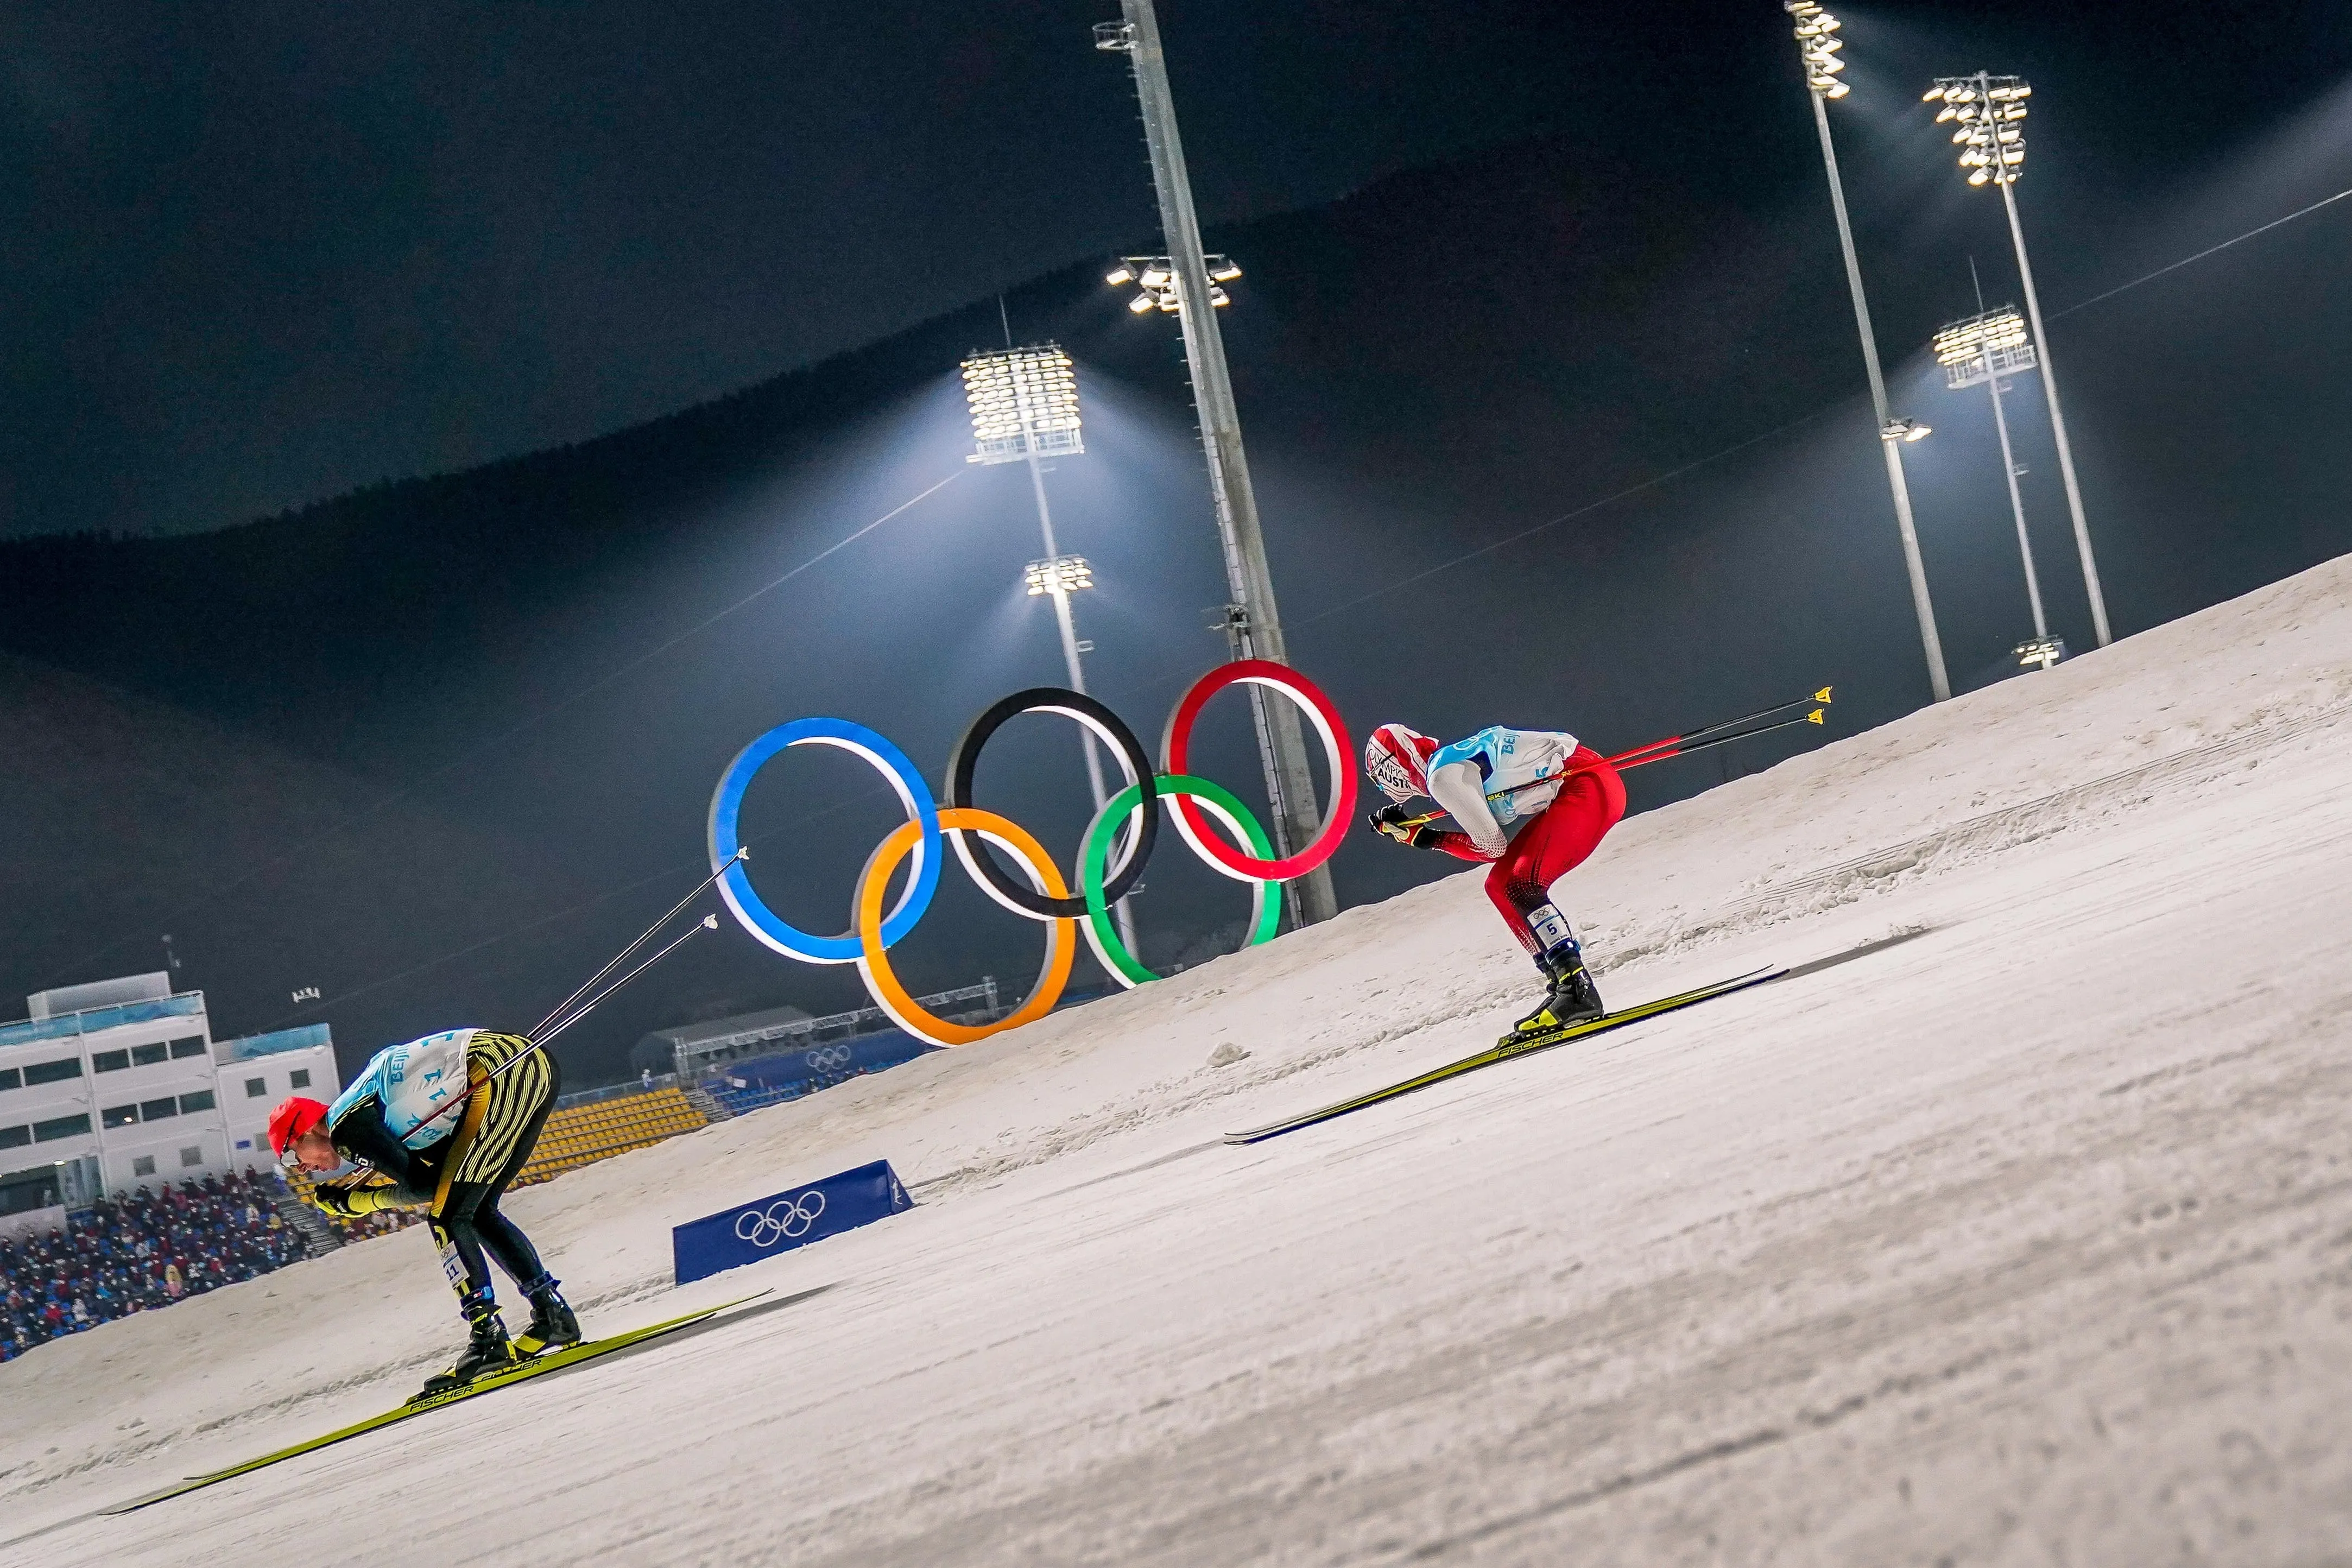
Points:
(11, 1078)
(52, 1072)
(63, 1127)
(109, 1061)
(148, 1056)
(255, 1087)
(15, 1137)
(193, 1046)
(144, 1166)
(300, 1078)
(156, 1110)
(192, 1157)
(191, 1103)
(119, 1116)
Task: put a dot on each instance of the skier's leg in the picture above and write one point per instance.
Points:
(1547, 849)
(498, 1136)
(487, 1348)
(521, 1100)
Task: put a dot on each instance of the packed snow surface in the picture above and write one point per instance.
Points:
(2026, 1239)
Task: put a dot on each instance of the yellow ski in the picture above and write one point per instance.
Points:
(1508, 1048)
(536, 1367)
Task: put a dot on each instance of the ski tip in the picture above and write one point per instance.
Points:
(1822, 695)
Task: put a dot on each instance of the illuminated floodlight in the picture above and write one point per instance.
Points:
(1818, 45)
(1817, 51)
(1058, 574)
(1978, 351)
(1024, 403)
(2039, 653)
(1993, 344)
(1155, 278)
(1986, 111)
(1988, 114)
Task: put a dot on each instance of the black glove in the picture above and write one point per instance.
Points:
(335, 1201)
(1390, 822)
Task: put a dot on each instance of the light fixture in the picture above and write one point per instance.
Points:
(1058, 574)
(1157, 280)
(2039, 653)
(1818, 45)
(1988, 108)
(1992, 343)
(1817, 50)
(1024, 403)
(1979, 351)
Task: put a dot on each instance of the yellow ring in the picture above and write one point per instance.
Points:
(1061, 935)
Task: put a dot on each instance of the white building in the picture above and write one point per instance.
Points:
(257, 1071)
(117, 1084)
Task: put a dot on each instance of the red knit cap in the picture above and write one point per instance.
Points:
(294, 1116)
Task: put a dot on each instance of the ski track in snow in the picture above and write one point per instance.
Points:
(2027, 1240)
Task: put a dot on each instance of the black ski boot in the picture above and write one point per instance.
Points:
(552, 1326)
(487, 1351)
(1572, 999)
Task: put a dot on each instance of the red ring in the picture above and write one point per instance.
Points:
(1175, 741)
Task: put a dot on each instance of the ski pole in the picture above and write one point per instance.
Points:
(707, 922)
(623, 956)
(540, 1036)
(1681, 745)
(1673, 742)
(1813, 718)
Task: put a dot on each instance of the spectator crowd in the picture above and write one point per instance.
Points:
(142, 1251)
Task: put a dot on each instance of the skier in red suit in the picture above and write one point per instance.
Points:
(1532, 802)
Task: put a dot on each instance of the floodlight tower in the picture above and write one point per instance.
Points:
(1982, 349)
(1025, 406)
(1817, 47)
(1253, 627)
(1990, 111)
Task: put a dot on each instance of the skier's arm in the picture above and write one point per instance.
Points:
(361, 1134)
(1420, 833)
(367, 1195)
(1460, 789)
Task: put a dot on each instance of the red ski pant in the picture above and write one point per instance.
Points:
(1555, 842)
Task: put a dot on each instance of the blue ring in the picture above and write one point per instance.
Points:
(735, 887)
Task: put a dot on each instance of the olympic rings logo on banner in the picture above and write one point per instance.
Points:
(782, 1220)
(827, 1056)
(1111, 858)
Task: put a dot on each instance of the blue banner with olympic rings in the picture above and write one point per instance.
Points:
(769, 1226)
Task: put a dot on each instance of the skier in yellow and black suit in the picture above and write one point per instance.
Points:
(426, 1124)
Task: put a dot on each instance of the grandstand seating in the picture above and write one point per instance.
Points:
(578, 1135)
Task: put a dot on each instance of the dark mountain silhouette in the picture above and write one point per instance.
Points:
(1435, 365)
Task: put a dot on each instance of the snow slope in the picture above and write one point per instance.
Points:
(2026, 1239)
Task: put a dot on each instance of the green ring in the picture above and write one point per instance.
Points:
(1268, 896)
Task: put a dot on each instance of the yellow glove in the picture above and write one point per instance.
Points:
(351, 1203)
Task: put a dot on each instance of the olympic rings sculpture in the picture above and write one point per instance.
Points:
(1111, 855)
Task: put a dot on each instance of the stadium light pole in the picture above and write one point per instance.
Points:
(1991, 139)
(1817, 48)
(1984, 347)
(1252, 625)
(1025, 406)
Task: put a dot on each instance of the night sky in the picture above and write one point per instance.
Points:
(257, 260)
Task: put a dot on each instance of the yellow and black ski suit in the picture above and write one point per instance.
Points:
(457, 1179)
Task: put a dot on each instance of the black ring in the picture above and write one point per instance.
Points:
(1137, 762)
